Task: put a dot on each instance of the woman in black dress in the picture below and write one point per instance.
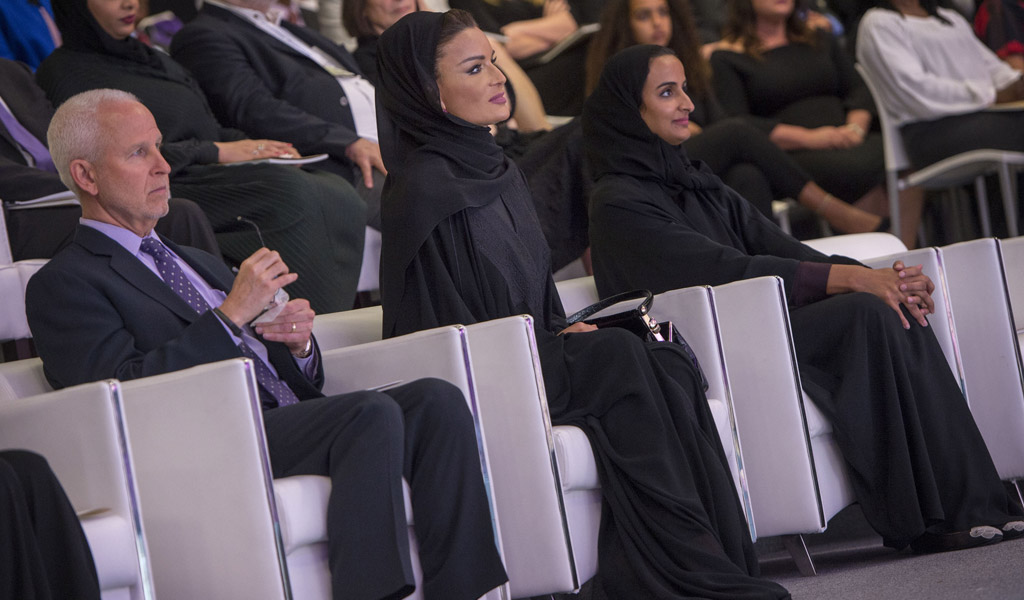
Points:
(314, 220)
(43, 550)
(462, 245)
(918, 464)
(800, 87)
(741, 152)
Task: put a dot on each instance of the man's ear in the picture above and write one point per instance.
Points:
(84, 175)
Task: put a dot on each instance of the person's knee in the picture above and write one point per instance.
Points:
(25, 462)
(366, 411)
(443, 403)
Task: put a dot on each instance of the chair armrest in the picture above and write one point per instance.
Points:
(81, 433)
(348, 328)
(439, 353)
(205, 483)
(988, 342)
(527, 491)
(764, 381)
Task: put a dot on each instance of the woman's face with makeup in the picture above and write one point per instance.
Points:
(470, 84)
(116, 17)
(665, 105)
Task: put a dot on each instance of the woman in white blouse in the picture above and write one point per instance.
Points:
(939, 82)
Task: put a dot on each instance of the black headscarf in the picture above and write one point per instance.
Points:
(618, 141)
(421, 143)
(80, 31)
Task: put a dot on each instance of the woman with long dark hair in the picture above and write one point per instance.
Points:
(462, 244)
(799, 86)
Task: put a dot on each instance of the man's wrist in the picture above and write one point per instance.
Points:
(307, 351)
(235, 329)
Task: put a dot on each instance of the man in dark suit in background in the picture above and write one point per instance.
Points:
(41, 232)
(285, 82)
(122, 302)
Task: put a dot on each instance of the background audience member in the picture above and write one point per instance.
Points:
(314, 219)
(920, 469)
(937, 80)
(27, 31)
(532, 27)
(120, 302)
(749, 162)
(27, 173)
(462, 245)
(1000, 24)
(274, 79)
(801, 88)
(43, 551)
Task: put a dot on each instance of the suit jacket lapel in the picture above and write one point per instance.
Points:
(133, 271)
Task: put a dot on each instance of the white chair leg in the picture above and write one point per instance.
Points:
(797, 548)
(981, 193)
(1006, 187)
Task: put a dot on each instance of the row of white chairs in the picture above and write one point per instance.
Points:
(205, 517)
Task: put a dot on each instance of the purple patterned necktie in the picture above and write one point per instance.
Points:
(26, 140)
(174, 277)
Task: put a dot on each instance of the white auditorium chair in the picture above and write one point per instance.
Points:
(544, 478)
(81, 433)
(218, 525)
(989, 345)
(13, 279)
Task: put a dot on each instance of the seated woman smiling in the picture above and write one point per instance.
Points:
(920, 469)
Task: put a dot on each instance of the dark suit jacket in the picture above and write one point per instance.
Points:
(18, 181)
(262, 86)
(97, 312)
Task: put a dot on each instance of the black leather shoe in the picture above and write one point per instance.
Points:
(959, 540)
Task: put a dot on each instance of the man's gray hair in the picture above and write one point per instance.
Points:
(74, 131)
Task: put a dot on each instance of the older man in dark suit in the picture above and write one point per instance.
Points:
(274, 79)
(27, 173)
(122, 302)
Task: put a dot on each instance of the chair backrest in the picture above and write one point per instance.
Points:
(577, 293)
(82, 434)
(859, 246)
(892, 142)
(510, 385)
(205, 483)
(13, 279)
(5, 245)
(994, 375)
(348, 328)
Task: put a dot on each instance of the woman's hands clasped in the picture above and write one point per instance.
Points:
(897, 286)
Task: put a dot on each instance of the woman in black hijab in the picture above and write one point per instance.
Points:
(919, 466)
(462, 245)
(314, 220)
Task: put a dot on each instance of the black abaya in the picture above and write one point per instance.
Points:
(468, 248)
(916, 457)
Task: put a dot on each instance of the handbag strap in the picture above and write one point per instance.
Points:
(593, 309)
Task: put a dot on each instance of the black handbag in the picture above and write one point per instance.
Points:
(638, 321)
